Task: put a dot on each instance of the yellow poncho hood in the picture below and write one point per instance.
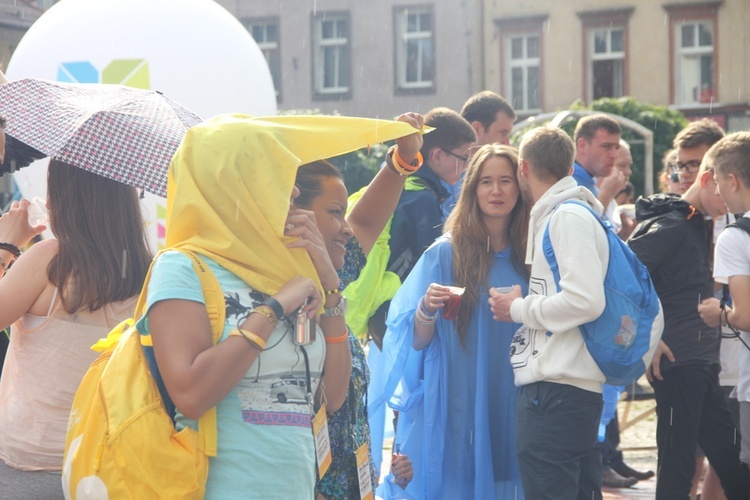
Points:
(230, 183)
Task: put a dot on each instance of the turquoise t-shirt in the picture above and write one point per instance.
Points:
(265, 440)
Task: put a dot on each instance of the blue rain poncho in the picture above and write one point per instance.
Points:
(457, 405)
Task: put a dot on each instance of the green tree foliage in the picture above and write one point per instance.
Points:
(663, 121)
(359, 167)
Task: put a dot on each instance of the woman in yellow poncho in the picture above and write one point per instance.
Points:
(229, 192)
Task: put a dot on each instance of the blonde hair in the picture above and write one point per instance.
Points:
(549, 150)
(731, 155)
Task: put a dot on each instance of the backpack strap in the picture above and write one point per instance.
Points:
(549, 252)
(216, 309)
(414, 183)
(741, 223)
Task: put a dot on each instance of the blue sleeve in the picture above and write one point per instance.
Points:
(399, 356)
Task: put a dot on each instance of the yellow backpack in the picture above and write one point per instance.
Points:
(121, 440)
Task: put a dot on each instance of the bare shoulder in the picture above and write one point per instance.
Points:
(42, 250)
(25, 287)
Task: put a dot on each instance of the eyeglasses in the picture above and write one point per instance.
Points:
(451, 153)
(692, 166)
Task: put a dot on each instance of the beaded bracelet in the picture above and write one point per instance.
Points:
(337, 340)
(421, 319)
(4, 265)
(423, 309)
(10, 247)
(267, 313)
(333, 291)
(254, 340)
(425, 317)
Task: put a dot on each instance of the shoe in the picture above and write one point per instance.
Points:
(611, 479)
(626, 471)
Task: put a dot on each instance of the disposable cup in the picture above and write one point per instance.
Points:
(38, 215)
(503, 289)
(450, 311)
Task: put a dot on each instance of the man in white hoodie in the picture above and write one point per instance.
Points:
(560, 402)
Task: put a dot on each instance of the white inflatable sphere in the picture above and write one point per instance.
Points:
(194, 51)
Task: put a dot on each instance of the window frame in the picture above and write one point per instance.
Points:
(515, 27)
(401, 39)
(682, 52)
(319, 92)
(269, 47)
(604, 20)
(679, 15)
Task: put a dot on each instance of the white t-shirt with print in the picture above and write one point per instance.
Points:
(732, 258)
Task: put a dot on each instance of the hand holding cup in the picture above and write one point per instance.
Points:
(453, 303)
(436, 297)
(500, 301)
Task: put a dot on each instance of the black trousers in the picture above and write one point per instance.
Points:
(693, 410)
(557, 429)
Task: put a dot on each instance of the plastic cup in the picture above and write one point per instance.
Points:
(450, 311)
(38, 215)
(503, 289)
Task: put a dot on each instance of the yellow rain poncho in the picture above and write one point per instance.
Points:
(230, 183)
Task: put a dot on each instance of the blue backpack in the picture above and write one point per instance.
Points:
(620, 340)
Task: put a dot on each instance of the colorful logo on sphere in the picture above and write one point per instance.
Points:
(130, 72)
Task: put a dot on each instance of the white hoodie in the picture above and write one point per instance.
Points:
(582, 254)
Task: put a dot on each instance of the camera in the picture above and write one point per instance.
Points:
(304, 328)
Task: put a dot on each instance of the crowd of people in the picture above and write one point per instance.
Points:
(428, 292)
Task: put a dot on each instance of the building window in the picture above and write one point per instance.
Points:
(522, 71)
(415, 60)
(331, 54)
(607, 62)
(521, 62)
(605, 52)
(266, 35)
(694, 62)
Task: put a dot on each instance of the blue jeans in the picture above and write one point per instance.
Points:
(556, 441)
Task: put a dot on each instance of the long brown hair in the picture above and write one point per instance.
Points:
(469, 235)
(102, 253)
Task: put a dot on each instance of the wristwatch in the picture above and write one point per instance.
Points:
(337, 310)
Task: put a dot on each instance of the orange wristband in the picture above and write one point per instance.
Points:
(409, 167)
(337, 340)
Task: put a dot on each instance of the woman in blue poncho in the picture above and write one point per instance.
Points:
(451, 380)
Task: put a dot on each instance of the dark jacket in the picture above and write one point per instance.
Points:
(675, 242)
(417, 222)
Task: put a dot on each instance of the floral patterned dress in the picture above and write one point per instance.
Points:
(348, 428)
